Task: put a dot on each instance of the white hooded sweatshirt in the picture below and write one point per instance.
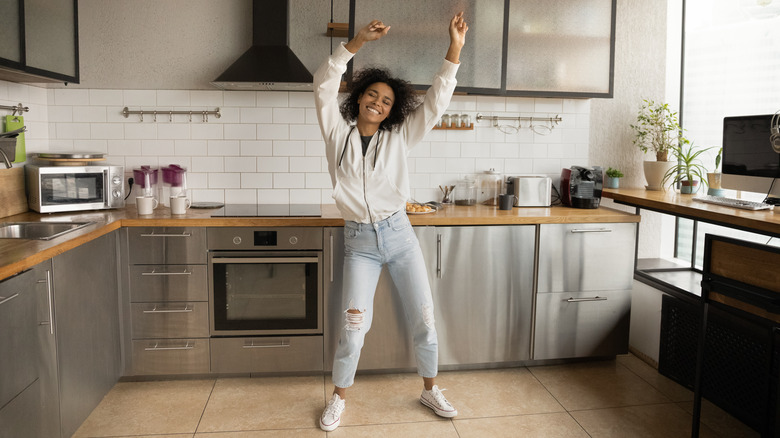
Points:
(372, 188)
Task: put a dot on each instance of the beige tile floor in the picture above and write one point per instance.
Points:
(613, 398)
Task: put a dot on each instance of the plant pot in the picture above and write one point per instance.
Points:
(654, 173)
(689, 187)
(713, 182)
(612, 182)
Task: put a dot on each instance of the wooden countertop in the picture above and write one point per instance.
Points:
(676, 204)
(17, 255)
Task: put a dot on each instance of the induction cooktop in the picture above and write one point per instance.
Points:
(266, 210)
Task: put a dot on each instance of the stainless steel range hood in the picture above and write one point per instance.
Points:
(269, 64)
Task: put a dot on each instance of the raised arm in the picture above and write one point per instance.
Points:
(458, 29)
(371, 32)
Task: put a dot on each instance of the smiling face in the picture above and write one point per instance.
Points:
(375, 103)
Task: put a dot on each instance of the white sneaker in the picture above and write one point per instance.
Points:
(435, 400)
(331, 416)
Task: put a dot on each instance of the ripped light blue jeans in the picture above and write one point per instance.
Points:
(367, 247)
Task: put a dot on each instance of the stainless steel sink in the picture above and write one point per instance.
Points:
(39, 230)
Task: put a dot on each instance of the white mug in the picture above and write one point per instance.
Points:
(145, 204)
(179, 205)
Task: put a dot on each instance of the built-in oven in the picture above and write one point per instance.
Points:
(265, 281)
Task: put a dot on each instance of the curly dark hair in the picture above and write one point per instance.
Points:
(405, 98)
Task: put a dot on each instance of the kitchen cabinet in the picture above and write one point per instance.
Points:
(86, 296)
(483, 313)
(19, 356)
(48, 409)
(583, 300)
(166, 303)
(514, 48)
(45, 48)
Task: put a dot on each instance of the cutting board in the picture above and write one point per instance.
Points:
(13, 199)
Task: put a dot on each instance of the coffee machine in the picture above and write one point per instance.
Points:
(581, 186)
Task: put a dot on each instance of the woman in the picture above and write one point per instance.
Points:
(367, 165)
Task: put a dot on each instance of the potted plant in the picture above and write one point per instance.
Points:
(613, 178)
(713, 178)
(658, 130)
(688, 170)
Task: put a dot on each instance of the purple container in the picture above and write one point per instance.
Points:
(139, 176)
(173, 175)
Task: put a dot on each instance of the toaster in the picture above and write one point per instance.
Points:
(532, 190)
(581, 186)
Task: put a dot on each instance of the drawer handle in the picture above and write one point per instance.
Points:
(186, 309)
(166, 235)
(281, 344)
(156, 347)
(577, 300)
(154, 272)
(4, 300)
(594, 230)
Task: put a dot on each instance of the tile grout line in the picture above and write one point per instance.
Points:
(559, 402)
(203, 412)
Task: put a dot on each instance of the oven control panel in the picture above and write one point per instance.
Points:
(261, 238)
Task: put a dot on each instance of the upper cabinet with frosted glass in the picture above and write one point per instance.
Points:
(555, 48)
(40, 41)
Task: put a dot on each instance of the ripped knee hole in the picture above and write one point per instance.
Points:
(354, 319)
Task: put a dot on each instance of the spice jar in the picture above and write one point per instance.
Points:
(490, 186)
(466, 191)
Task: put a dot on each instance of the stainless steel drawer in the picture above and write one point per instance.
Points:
(170, 320)
(168, 283)
(21, 417)
(167, 245)
(586, 257)
(18, 335)
(171, 356)
(268, 354)
(587, 324)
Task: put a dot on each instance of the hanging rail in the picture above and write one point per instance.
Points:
(16, 109)
(555, 119)
(204, 114)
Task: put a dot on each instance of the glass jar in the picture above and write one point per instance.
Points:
(466, 191)
(490, 186)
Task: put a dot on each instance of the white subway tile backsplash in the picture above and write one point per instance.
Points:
(106, 97)
(142, 98)
(256, 115)
(240, 164)
(71, 96)
(289, 148)
(224, 180)
(191, 148)
(289, 115)
(256, 148)
(224, 148)
(304, 164)
(267, 146)
(267, 131)
(241, 98)
(273, 164)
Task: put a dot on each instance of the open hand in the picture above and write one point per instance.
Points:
(458, 29)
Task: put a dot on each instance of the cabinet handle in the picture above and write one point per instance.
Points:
(154, 272)
(438, 256)
(186, 309)
(593, 230)
(187, 346)
(51, 309)
(577, 300)
(331, 257)
(4, 300)
(166, 235)
(281, 344)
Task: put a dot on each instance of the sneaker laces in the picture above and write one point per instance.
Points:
(334, 408)
(439, 397)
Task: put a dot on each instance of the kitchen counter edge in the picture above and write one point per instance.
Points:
(18, 255)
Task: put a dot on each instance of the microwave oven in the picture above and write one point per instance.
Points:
(53, 189)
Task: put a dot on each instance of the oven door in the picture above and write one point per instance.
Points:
(265, 293)
(71, 191)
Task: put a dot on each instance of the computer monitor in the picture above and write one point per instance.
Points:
(749, 162)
